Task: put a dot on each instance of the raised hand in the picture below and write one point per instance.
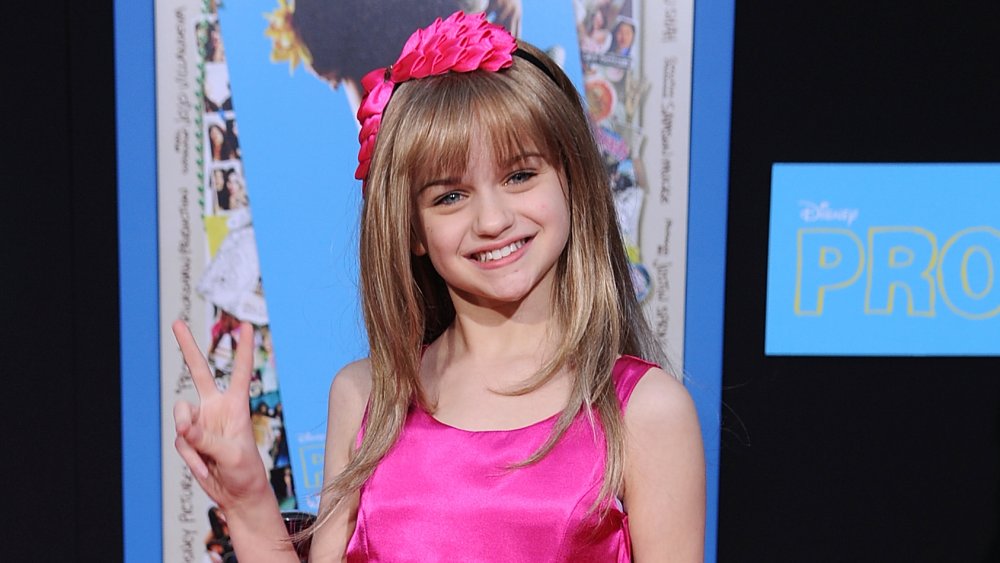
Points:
(215, 437)
(508, 14)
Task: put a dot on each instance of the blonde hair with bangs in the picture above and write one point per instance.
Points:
(425, 132)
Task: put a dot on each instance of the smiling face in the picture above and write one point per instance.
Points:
(624, 35)
(494, 233)
(416, 269)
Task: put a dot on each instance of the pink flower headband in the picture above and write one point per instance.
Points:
(461, 43)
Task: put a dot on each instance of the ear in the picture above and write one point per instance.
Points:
(417, 246)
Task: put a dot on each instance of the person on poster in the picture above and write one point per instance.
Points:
(505, 411)
(623, 37)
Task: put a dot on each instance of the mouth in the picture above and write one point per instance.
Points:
(499, 253)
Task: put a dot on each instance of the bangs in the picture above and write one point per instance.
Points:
(444, 114)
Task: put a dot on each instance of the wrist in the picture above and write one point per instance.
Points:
(257, 530)
(256, 501)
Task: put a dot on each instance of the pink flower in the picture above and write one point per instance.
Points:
(460, 43)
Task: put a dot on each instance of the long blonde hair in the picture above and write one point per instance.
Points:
(425, 131)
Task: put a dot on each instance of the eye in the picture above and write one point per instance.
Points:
(450, 198)
(519, 177)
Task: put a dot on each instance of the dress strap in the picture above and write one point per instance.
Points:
(626, 374)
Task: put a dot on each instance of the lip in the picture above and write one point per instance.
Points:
(512, 257)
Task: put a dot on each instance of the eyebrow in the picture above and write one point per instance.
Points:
(522, 157)
(447, 181)
(452, 180)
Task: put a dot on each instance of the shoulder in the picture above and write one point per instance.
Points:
(353, 383)
(659, 399)
(662, 429)
(348, 398)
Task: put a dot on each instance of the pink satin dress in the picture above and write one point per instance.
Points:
(446, 494)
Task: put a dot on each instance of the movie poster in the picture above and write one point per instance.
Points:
(867, 259)
(258, 206)
(636, 56)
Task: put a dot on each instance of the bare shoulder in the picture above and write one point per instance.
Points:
(348, 397)
(352, 384)
(658, 403)
(664, 491)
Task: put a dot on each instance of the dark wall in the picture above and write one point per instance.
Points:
(855, 459)
(59, 285)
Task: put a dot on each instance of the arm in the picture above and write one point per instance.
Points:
(348, 397)
(215, 438)
(508, 14)
(664, 472)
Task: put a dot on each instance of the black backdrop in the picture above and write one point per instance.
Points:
(823, 459)
(854, 459)
(59, 340)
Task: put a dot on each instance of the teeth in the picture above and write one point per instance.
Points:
(500, 252)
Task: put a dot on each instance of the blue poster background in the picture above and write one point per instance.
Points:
(884, 259)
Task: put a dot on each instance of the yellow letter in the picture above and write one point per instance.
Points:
(900, 258)
(827, 259)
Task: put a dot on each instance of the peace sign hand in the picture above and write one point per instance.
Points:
(215, 438)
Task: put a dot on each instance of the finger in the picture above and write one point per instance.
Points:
(195, 360)
(185, 415)
(515, 26)
(207, 444)
(243, 364)
(191, 457)
(507, 11)
(185, 423)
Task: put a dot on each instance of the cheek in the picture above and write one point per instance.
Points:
(436, 238)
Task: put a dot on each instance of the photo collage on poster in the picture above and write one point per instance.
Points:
(609, 49)
(231, 284)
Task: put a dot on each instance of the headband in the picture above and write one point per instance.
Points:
(460, 43)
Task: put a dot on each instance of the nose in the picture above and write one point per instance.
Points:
(493, 215)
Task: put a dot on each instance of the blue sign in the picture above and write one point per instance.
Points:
(884, 260)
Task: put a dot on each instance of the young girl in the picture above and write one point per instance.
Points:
(504, 413)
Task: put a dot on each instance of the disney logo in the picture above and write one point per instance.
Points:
(812, 212)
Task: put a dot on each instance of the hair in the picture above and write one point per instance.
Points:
(339, 34)
(217, 524)
(426, 131)
(588, 21)
(222, 146)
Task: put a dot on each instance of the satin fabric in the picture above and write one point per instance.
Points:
(447, 494)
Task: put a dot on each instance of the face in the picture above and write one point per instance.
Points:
(597, 20)
(624, 35)
(495, 234)
(216, 135)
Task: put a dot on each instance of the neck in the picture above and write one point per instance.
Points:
(491, 332)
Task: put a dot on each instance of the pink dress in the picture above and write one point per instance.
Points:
(446, 494)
